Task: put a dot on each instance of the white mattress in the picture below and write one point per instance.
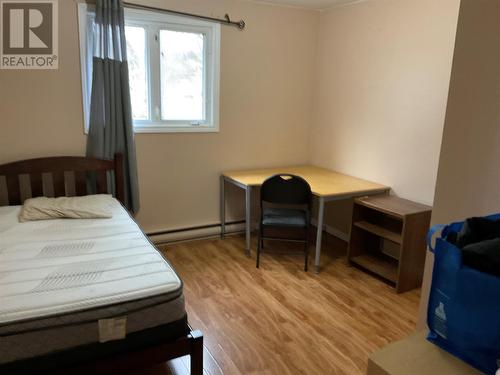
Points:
(59, 277)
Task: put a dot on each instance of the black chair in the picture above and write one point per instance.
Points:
(285, 201)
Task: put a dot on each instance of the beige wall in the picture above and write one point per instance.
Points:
(380, 96)
(380, 79)
(469, 174)
(266, 97)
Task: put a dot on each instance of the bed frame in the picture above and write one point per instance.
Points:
(62, 184)
(60, 169)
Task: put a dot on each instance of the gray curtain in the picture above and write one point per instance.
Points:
(110, 128)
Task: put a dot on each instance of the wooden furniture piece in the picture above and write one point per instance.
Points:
(60, 170)
(416, 356)
(388, 237)
(326, 185)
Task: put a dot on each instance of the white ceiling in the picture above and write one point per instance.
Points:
(310, 4)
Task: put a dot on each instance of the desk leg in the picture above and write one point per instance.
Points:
(222, 207)
(248, 217)
(321, 212)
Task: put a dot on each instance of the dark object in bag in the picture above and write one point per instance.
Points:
(475, 229)
(483, 256)
(479, 240)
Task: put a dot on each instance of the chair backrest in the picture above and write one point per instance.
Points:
(286, 189)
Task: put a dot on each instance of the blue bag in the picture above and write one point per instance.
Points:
(464, 305)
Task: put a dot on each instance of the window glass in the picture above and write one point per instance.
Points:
(182, 75)
(136, 54)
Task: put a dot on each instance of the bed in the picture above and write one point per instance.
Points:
(81, 295)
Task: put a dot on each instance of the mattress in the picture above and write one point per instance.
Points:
(65, 283)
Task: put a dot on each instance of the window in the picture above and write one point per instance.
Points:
(173, 70)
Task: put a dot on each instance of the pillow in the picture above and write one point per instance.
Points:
(87, 207)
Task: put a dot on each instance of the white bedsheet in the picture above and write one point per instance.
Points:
(66, 265)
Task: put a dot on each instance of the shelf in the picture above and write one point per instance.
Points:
(392, 205)
(379, 231)
(379, 226)
(380, 265)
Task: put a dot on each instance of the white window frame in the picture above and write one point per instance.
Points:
(153, 22)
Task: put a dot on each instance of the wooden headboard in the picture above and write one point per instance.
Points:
(60, 168)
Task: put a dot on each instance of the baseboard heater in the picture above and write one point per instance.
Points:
(195, 233)
(213, 230)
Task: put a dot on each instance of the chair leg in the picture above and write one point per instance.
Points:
(259, 246)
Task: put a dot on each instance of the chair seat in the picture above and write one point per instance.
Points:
(284, 217)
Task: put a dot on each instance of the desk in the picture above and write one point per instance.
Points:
(326, 186)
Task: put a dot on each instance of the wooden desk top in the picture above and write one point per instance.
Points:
(324, 183)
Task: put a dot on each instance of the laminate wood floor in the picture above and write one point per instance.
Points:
(280, 320)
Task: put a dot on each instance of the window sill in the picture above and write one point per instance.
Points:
(175, 129)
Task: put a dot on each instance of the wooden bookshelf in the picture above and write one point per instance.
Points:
(379, 231)
(380, 223)
(380, 265)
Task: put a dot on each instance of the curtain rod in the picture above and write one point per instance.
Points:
(225, 21)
